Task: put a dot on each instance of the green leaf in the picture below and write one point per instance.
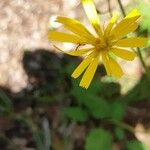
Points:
(69, 68)
(119, 133)
(79, 92)
(118, 110)
(98, 107)
(37, 133)
(5, 103)
(98, 139)
(109, 90)
(76, 114)
(135, 145)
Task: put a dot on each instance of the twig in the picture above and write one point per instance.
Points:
(123, 125)
(102, 12)
(109, 8)
(143, 63)
(121, 7)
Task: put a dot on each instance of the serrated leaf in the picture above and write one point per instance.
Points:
(135, 145)
(76, 114)
(98, 139)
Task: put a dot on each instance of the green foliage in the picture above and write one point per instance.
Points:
(110, 90)
(81, 93)
(135, 145)
(97, 102)
(118, 110)
(5, 104)
(36, 132)
(139, 92)
(68, 69)
(98, 139)
(119, 133)
(97, 107)
(76, 114)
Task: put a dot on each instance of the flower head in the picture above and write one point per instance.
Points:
(110, 40)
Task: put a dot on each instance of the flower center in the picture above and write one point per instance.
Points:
(101, 44)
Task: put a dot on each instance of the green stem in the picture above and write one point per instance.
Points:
(147, 71)
(122, 125)
(121, 7)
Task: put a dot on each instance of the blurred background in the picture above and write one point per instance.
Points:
(42, 108)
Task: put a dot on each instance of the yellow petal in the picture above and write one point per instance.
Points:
(91, 13)
(77, 52)
(116, 70)
(127, 25)
(89, 73)
(105, 61)
(110, 25)
(111, 66)
(64, 37)
(132, 42)
(122, 31)
(83, 65)
(135, 13)
(76, 27)
(124, 54)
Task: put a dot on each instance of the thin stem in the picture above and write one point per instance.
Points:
(109, 7)
(123, 125)
(121, 7)
(141, 58)
(147, 71)
(138, 50)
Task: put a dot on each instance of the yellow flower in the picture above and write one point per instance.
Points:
(111, 40)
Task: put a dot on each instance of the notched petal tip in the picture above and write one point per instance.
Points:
(134, 13)
(83, 86)
(83, 65)
(74, 76)
(127, 24)
(89, 73)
